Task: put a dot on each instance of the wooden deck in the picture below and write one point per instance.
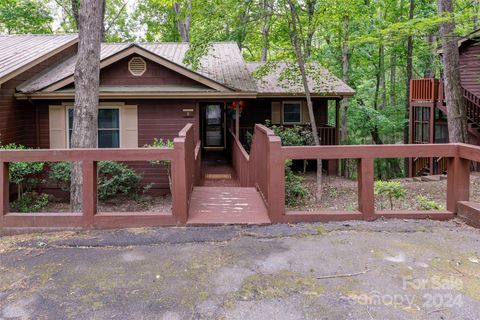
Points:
(227, 205)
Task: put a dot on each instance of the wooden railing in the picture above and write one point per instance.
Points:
(326, 134)
(241, 161)
(272, 184)
(184, 158)
(423, 90)
(472, 104)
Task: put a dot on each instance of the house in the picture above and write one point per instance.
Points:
(428, 121)
(147, 92)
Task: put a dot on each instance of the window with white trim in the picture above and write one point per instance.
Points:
(292, 112)
(108, 127)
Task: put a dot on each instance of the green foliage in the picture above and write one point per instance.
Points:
(113, 178)
(24, 174)
(30, 202)
(25, 16)
(292, 136)
(425, 203)
(295, 191)
(391, 190)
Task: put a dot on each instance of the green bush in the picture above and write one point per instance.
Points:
(30, 202)
(292, 136)
(391, 190)
(295, 191)
(24, 174)
(425, 203)
(113, 178)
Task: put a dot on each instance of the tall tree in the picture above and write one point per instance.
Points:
(300, 58)
(86, 77)
(183, 19)
(456, 112)
(346, 79)
(267, 8)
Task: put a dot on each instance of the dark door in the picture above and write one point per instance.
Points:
(213, 126)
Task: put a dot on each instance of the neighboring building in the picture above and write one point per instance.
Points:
(147, 92)
(428, 120)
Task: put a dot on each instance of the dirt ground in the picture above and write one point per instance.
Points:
(341, 194)
(145, 203)
(395, 269)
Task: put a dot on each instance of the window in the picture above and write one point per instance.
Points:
(421, 124)
(108, 127)
(292, 112)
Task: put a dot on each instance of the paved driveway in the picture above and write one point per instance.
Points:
(356, 270)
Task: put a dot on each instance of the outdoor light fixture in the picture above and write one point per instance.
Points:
(189, 112)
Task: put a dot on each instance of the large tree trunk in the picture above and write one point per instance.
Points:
(74, 4)
(456, 113)
(296, 42)
(346, 79)
(84, 134)
(183, 22)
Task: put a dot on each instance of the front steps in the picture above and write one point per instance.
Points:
(226, 205)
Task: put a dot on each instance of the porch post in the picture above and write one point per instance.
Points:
(458, 182)
(237, 121)
(4, 197)
(89, 192)
(366, 197)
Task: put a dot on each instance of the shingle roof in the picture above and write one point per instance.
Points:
(223, 64)
(283, 77)
(17, 51)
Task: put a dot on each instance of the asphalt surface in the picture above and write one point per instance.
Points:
(395, 269)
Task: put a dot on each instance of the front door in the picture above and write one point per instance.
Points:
(213, 129)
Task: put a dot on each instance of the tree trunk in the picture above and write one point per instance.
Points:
(346, 79)
(310, 29)
(266, 14)
(296, 42)
(381, 76)
(429, 72)
(409, 75)
(183, 22)
(86, 76)
(393, 77)
(74, 4)
(456, 113)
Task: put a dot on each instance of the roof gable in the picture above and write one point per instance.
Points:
(61, 75)
(18, 53)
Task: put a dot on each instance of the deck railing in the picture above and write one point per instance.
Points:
(272, 185)
(184, 158)
(423, 89)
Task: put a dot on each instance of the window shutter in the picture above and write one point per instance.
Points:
(276, 112)
(57, 127)
(305, 115)
(129, 127)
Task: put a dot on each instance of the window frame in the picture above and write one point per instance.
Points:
(300, 104)
(119, 108)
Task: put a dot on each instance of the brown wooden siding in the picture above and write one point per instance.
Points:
(470, 68)
(17, 119)
(117, 74)
(257, 111)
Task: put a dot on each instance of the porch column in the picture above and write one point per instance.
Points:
(237, 121)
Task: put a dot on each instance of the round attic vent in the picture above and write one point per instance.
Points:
(137, 66)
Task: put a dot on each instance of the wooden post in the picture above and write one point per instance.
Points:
(237, 121)
(89, 194)
(5, 191)
(458, 182)
(179, 179)
(431, 132)
(276, 179)
(366, 197)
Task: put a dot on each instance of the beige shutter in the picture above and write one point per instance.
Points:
(57, 127)
(305, 115)
(129, 127)
(276, 112)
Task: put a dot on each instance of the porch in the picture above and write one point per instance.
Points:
(259, 196)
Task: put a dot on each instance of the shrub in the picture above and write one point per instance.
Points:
(30, 202)
(113, 178)
(23, 174)
(295, 191)
(392, 190)
(425, 203)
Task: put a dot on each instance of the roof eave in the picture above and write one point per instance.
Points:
(35, 62)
